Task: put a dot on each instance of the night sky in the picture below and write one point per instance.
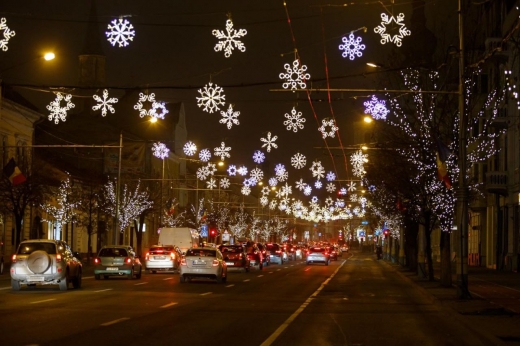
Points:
(173, 56)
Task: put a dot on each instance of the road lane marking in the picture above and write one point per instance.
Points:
(168, 279)
(168, 305)
(230, 285)
(278, 270)
(246, 280)
(285, 267)
(271, 339)
(106, 289)
(259, 276)
(271, 272)
(308, 269)
(141, 283)
(114, 321)
(5, 288)
(43, 301)
(205, 294)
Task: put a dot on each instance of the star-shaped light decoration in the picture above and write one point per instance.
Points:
(8, 33)
(376, 108)
(352, 47)
(105, 103)
(211, 97)
(230, 39)
(295, 76)
(294, 120)
(269, 142)
(120, 32)
(211, 183)
(385, 36)
(326, 123)
(57, 111)
(160, 150)
(331, 187)
(222, 151)
(229, 117)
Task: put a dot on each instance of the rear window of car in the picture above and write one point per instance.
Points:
(29, 248)
(317, 249)
(232, 249)
(113, 252)
(273, 247)
(201, 253)
(161, 249)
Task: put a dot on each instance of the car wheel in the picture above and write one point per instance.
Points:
(153, 271)
(64, 283)
(246, 269)
(219, 279)
(326, 263)
(261, 266)
(97, 276)
(182, 279)
(138, 276)
(15, 285)
(76, 282)
(307, 263)
(131, 275)
(106, 277)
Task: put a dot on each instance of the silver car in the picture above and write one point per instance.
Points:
(45, 262)
(117, 260)
(317, 255)
(163, 258)
(203, 262)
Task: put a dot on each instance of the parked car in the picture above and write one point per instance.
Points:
(255, 256)
(317, 255)
(203, 262)
(45, 262)
(163, 258)
(235, 257)
(266, 254)
(276, 253)
(117, 260)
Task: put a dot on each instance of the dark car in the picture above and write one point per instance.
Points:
(291, 251)
(333, 253)
(276, 253)
(235, 257)
(265, 254)
(255, 255)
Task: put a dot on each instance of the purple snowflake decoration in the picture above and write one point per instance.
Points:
(376, 108)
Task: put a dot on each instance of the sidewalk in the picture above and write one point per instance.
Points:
(494, 310)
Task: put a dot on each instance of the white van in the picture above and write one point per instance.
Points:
(183, 237)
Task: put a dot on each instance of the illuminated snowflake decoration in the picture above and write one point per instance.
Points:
(242, 170)
(353, 197)
(294, 120)
(105, 103)
(249, 182)
(386, 37)
(222, 151)
(257, 174)
(329, 201)
(340, 203)
(282, 176)
(202, 173)
(229, 39)
(307, 190)
(160, 151)
(343, 191)
(376, 108)
(205, 155)
(211, 97)
(211, 168)
(158, 106)
(230, 117)
(258, 157)
(317, 170)
(269, 142)
(57, 111)
(328, 123)
(295, 76)
(264, 201)
(358, 160)
(273, 204)
(331, 187)
(139, 106)
(120, 32)
(331, 176)
(352, 186)
(211, 184)
(232, 170)
(246, 190)
(279, 169)
(273, 182)
(265, 190)
(314, 199)
(352, 47)
(189, 148)
(224, 183)
(286, 189)
(298, 161)
(318, 184)
(8, 33)
(300, 185)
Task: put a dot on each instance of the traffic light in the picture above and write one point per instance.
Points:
(386, 232)
(212, 232)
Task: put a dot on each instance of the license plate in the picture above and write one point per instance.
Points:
(112, 268)
(36, 278)
(160, 257)
(230, 263)
(199, 263)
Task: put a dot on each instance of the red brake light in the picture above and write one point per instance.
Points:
(183, 262)
(326, 253)
(147, 256)
(96, 260)
(278, 251)
(215, 263)
(128, 260)
(58, 258)
(13, 259)
(159, 251)
(172, 255)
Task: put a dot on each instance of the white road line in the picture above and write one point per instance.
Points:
(106, 289)
(141, 283)
(5, 288)
(43, 301)
(285, 267)
(271, 272)
(270, 340)
(114, 321)
(168, 305)
(259, 276)
(308, 269)
(230, 285)
(246, 280)
(292, 265)
(205, 294)
(278, 270)
(168, 279)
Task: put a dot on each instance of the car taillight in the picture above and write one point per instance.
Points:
(96, 260)
(183, 262)
(13, 260)
(263, 251)
(172, 255)
(215, 263)
(326, 253)
(58, 258)
(278, 251)
(147, 256)
(240, 255)
(128, 260)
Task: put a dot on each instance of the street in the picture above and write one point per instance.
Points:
(353, 301)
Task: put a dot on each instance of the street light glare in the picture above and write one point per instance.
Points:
(49, 56)
(368, 119)
(371, 64)
(153, 119)
(221, 163)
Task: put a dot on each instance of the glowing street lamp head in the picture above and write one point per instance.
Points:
(368, 119)
(153, 119)
(221, 163)
(49, 56)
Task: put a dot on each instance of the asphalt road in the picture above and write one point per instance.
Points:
(354, 301)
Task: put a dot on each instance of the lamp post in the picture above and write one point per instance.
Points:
(162, 152)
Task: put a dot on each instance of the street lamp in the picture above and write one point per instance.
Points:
(161, 151)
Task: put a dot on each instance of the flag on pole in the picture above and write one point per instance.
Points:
(13, 173)
(442, 169)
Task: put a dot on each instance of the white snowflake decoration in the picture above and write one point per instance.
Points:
(331, 176)
(189, 148)
(317, 170)
(258, 157)
(211, 168)
(105, 103)
(232, 170)
(386, 37)
(205, 155)
(224, 183)
(160, 150)
(242, 170)
(265, 190)
(57, 111)
(300, 185)
(257, 174)
(298, 161)
(295, 76)
(286, 189)
(273, 204)
(158, 106)
(202, 173)
(352, 186)
(342, 191)
(229, 117)
(329, 201)
(314, 199)
(269, 142)
(352, 47)
(279, 169)
(294, 120)
(331, 187)
(222, 151)
(282, 176)
(139, 106)
(211, 97)
(307, 190)
(121, 31)
(8, 33)
(318, 184)
(376, 108)
(246, 190)
(353, 197)
(211, 184)
(325, 123)
(340, 203)
(264, 201)
(273, 182)
(230, 39)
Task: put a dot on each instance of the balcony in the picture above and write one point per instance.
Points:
(496, 182)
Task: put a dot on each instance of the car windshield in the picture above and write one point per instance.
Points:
(113, 252)
(232, 249)
(201, 253)
(29, 248)
(317, 249)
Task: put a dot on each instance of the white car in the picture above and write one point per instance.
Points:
(203, 262)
